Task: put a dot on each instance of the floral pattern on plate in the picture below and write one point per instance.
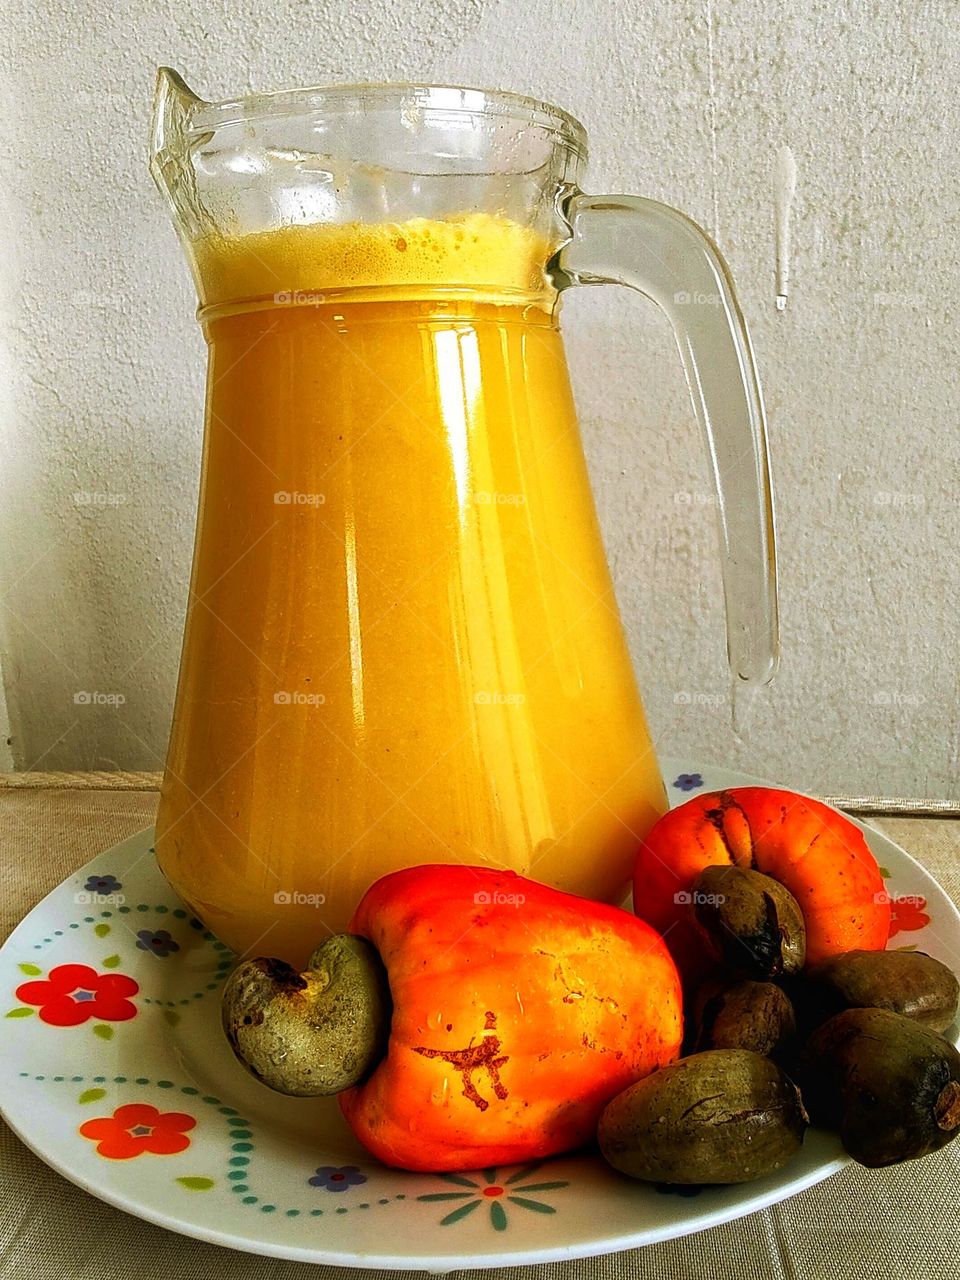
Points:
(74, 993)
(494, 1189)
(137, 1128)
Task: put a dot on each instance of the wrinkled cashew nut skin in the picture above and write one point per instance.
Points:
(315, 1033)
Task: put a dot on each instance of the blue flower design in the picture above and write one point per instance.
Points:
(102, 884)
(333, 1178)
(160, 943)
(688, 781)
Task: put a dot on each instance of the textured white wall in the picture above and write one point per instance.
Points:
(685, 100)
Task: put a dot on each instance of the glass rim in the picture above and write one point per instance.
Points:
(436, 98)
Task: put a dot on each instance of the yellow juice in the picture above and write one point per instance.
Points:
(402, 642)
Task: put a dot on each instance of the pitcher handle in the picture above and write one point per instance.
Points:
(673, 262)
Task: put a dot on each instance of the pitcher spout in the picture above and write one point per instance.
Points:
(175, 106)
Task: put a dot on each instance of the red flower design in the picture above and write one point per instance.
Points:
(72, 993)
(908, 914)
(137, 1127)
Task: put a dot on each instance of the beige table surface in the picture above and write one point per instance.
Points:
(902, 1222)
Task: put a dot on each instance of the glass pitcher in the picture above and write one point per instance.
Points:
(402, 643)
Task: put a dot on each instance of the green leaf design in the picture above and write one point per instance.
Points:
(909, 946)
(498, 1216)
(445, 1195)
(103, 1031)
(92, 1095)
(884, 873)
(459, 1213)
(101, 930)
(536, 1205)
(22, 1012)
(31, 970)
(111, 962)
(171, 1016)
(196, 1184)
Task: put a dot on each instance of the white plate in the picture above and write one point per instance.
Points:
(238, 1165)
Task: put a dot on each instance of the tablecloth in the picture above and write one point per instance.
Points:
(902, 1222)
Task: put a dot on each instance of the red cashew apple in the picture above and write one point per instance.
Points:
(518, 1013)
(814, 851)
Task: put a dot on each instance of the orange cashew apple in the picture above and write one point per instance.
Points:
(814, 851)
(518, 1013)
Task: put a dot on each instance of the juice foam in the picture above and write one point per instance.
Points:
(476, 251)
